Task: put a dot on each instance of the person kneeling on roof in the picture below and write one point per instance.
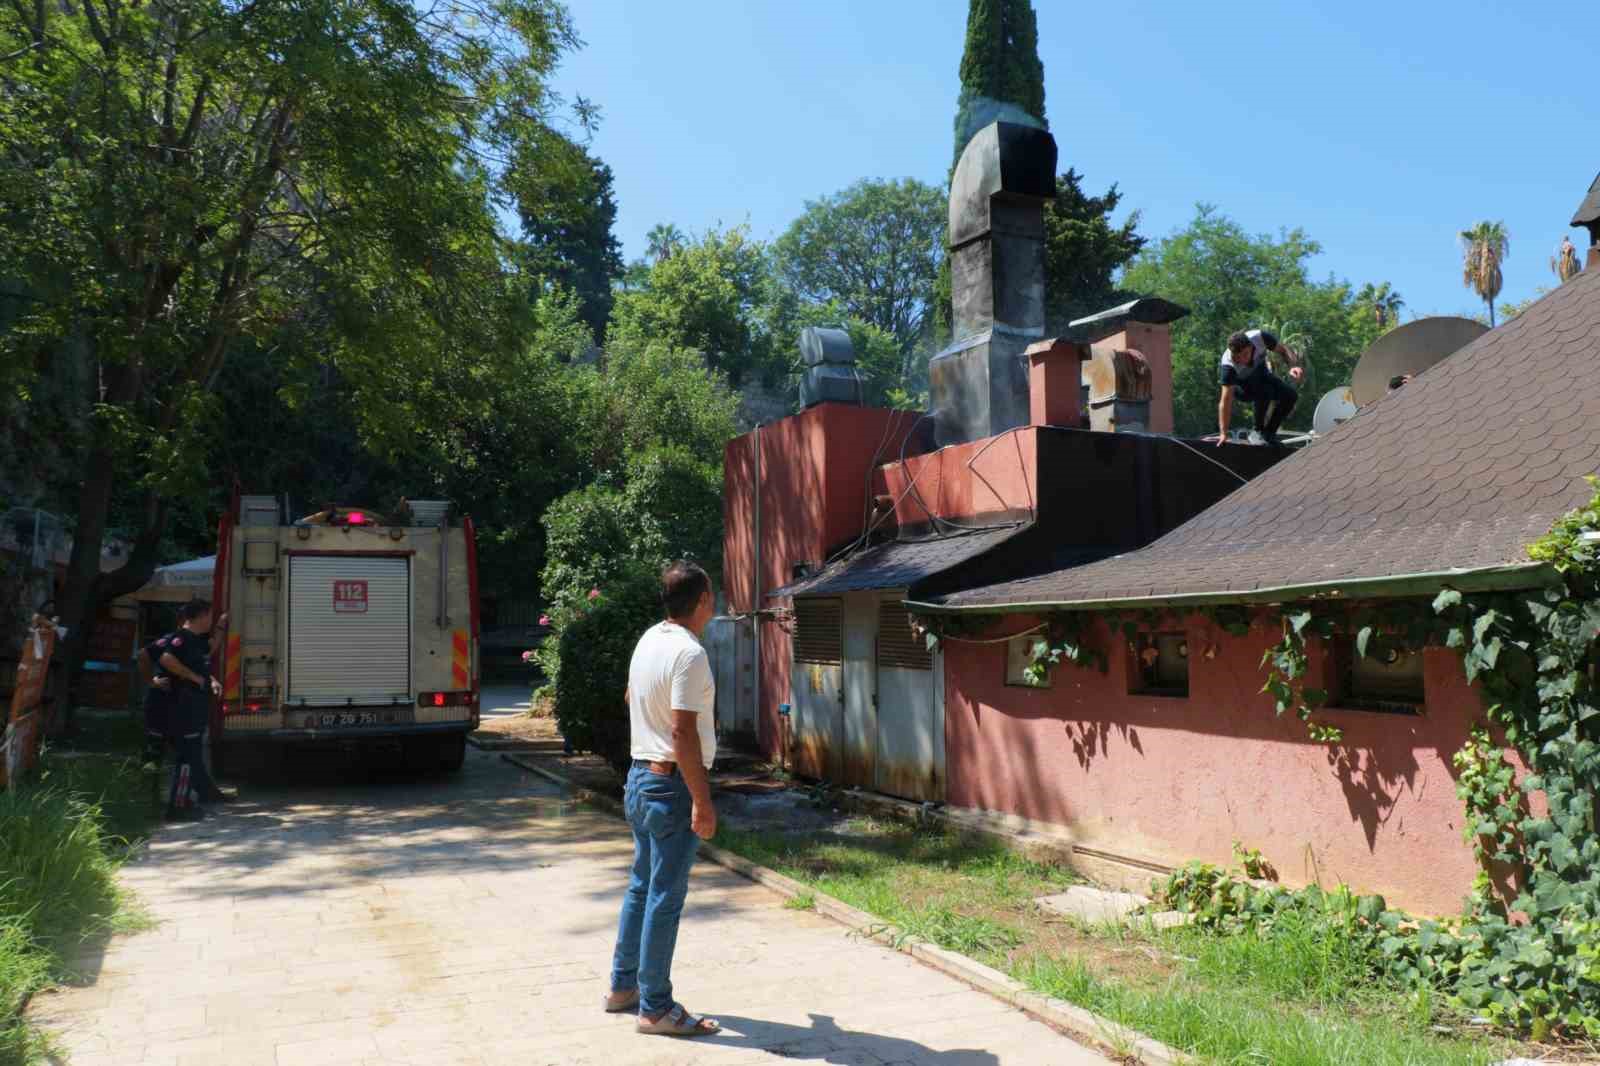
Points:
(1245, 371)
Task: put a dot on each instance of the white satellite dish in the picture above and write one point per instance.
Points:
(1337, 406)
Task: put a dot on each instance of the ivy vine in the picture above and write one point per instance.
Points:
(1526, 950)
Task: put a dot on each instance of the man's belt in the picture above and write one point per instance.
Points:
(665, 769)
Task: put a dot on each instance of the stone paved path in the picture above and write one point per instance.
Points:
(470, 921)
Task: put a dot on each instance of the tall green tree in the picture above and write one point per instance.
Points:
(1382, 302)
(1565, 264)
(874, 250)
(663, 239)
(1230, 280)
(1484, 248)
(568, 210)
(1083, 251)
(1002, 76)
(707, 296)
(177, 178)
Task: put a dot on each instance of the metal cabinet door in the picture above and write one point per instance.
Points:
(816, 686)
(910, 737)
(860, 755)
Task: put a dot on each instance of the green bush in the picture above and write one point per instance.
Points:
(670, 508)
(595, 642)
(675, 503)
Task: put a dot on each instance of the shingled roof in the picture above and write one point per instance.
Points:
(1443, 482)
(899, 563)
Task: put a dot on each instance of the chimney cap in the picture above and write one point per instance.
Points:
(1588, 213)
(1152, 310)
(1004, 159)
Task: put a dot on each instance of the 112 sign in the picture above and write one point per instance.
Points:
(350, 597)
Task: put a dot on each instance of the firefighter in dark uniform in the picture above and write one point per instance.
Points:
(187, 659)
(157, 701)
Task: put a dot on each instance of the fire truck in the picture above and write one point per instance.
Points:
(347, 627)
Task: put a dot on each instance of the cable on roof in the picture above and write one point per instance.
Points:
(1242, 479)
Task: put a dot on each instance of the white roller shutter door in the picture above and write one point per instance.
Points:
(349, 629)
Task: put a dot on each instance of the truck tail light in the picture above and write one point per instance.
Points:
(444, 699)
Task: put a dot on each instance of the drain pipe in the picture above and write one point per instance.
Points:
(755, 606)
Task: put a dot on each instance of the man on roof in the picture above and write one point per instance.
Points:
(1245, 370)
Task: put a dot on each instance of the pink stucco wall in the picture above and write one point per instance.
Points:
(1167, 780)
(813, 485)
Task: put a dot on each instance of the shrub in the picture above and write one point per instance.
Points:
(595, 645)
(675, 503)
(57, 887)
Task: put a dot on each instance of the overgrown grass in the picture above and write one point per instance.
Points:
(63, 833)
(1302, 997)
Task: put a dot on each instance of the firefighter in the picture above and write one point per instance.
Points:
(187, 658)
(157, 701)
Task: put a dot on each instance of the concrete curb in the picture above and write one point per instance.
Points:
(1059, 1014)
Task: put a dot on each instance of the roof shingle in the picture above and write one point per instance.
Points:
(1459, 470)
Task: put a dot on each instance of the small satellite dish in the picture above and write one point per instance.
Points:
(1410, 349)
(1337, 406)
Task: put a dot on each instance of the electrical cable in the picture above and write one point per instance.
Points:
(1242, 479)
(997, 640)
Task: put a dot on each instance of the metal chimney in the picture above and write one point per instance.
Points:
(979, 384)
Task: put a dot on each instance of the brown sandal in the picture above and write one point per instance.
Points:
(677, 1021)
(620, 1001)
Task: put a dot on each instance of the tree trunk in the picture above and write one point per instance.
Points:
(1491, 312)
(78, 598)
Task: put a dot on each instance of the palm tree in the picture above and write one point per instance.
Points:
(1384, 301)
(663, 239)
(1486, 246)
(1565, 261)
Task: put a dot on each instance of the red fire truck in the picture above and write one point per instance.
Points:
(347, 627)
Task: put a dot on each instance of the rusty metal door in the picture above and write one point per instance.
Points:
(859, 757)
(910, 720)
(816, 687)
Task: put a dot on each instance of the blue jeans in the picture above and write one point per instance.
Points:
(658, 808)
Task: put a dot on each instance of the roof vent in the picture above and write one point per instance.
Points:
(428, 512)
(830, 368)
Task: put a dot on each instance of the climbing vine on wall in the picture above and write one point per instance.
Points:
(1526, 950)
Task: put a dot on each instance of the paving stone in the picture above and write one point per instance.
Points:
(1093, 905)
(470, 923)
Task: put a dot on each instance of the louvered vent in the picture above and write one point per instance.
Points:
(898, 644)
(817, 631)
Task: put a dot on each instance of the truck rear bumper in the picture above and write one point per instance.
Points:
(358, 733)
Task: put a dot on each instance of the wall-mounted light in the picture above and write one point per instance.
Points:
(1183, 649)
(1391, 656)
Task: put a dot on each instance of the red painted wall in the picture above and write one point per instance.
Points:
(814, 468)
(1167, 780)
(996, 474)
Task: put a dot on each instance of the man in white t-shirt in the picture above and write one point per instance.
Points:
(671, 701)
(1244, 371)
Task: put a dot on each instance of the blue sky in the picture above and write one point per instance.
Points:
(1380, 129)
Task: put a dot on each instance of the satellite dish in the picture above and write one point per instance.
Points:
(1409, 349)
(1337, 406)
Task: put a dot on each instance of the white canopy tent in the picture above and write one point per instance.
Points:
(179, 582)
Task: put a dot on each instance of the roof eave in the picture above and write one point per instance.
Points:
(1483, 579)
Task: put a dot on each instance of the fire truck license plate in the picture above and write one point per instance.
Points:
(350, 597)
(350, 718)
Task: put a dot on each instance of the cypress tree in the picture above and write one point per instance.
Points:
(1001, 74)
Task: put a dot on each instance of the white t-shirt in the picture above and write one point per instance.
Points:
(1263, 342)
(670, 672)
